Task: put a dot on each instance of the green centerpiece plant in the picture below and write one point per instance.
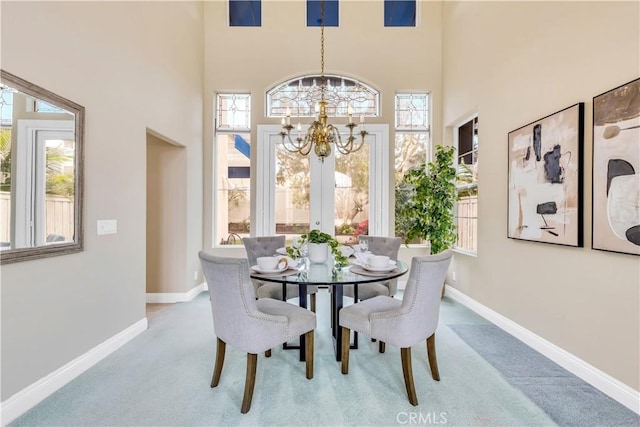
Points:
(319, 237)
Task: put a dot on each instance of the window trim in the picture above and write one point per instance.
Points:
(342, 112)
(456, 143)
(215, 188)
(265, 203)
(410, 130)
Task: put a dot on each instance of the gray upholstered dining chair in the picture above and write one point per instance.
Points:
(388, 246)
(248, 324)
(267, 246)
(402, 323)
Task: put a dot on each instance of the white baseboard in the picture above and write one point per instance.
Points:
(592, 375)
(30, 396)
(167, 298)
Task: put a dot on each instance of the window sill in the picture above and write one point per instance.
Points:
(465, 252)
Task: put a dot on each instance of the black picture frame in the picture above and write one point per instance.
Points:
(545, 179)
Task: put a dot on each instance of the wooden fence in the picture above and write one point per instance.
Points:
(58, 218)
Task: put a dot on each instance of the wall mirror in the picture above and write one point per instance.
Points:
(41, 138)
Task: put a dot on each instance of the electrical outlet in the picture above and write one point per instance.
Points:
(195, 275)
(453, 276)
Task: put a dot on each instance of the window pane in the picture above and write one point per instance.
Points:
(233, 198)
(292, 193)
(412, 111)
(399, 13)
(330, 13)
(467, 222)
(302, 94)
(234, 112)
(6, 106)
(411, 151)
(245, 13)
(467, 186)
(60, 190)
(352, 195)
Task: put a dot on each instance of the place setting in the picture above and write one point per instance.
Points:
(275, 266)
(373, 265)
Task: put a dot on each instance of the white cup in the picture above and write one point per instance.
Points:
(268, 262)
(378, 261)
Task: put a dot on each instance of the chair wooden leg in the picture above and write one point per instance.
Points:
(313, 302)
(249, 382)
(217, 371)
(346, 342)
(431, 352)
(267, 353)
(381, 347)
(405, 354)
(309, 353)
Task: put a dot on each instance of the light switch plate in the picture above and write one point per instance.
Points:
(107, 226)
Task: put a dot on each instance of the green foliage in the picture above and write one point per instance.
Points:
(344, 229)
(465, 176)
(317, 236)
(59, 182)
(61, 185)
(5, 159)
(424, 202)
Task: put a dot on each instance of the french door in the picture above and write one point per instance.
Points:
(344, 195)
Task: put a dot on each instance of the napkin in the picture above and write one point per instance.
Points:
(363, 258)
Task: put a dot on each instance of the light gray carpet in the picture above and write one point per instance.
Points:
(567, 399)
(161, 378)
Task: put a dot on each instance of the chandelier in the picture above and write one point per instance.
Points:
(321, 134)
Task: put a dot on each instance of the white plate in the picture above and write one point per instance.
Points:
(282, 251)
(259, 270)
(391, 266)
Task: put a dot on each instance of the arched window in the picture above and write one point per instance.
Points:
(301, 95)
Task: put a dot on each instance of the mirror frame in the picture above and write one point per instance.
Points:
(25, 254)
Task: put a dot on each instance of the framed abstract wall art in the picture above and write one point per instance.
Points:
(545, 179)
(616, 170)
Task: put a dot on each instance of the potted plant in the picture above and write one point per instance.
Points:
(424, 202)
(318, 244)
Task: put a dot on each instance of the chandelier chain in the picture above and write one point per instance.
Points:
(321, 134)
(322, 79)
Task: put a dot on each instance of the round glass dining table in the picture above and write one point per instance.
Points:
(326, 274)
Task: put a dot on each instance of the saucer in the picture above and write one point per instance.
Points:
(281, 251)
(276, 270)
(389, 267)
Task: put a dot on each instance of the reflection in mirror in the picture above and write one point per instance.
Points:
(41, 137)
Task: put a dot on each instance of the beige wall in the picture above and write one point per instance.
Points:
(514, 63)
(133, 66)
(166, 217)
(139, 65)
(256, 59)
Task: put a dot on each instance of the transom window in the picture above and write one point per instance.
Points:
(233, 112)
(302, 94)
